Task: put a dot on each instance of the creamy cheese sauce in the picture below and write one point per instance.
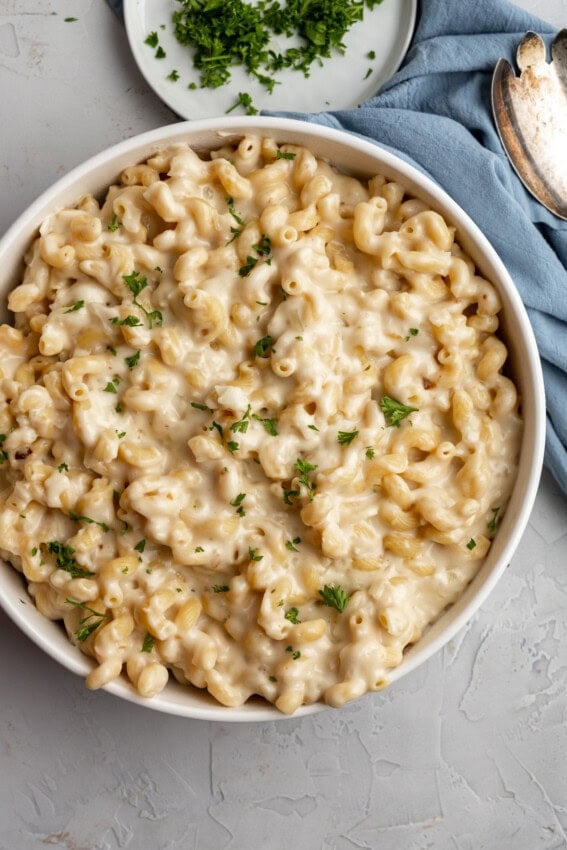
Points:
(255, 428)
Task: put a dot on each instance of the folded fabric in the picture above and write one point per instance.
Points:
(435, 112)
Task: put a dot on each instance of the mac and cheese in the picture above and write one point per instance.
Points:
(254, 427)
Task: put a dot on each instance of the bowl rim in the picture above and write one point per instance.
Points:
(216, 130)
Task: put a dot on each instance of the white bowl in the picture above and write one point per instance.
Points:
(362, 158)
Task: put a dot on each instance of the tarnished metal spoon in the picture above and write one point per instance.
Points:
(530, 112)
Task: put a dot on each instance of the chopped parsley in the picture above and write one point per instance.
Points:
(313, 427)
(111, 386)
(76, 306)
(287, 495)
(198, 406)
(133, 360)
(220, 588)
(234, 214)
(232, 446)
(70, 20)
(264, 246)
(345, 438)
(173, 76)
(79, 518)
(369, 452)
(66, 561)
(199, 549)
(305, 468)
(148, 643)
(160, 53)
(334, 596)
(245, 270)
(263, 346)
(492, 522)
(292, 544)
(129, 322)
(471, 544)
(215, 426)
(85, 628)
(285, 155)
(137, 282)
(271, 425)
(115, 223)
(293, 616)
(237, 503)
(412, 332)
(62, 467)
(242, 424)
(140, 545)
(152, 39)
(371, 54)
(394, 411)
(244, 100)
(253, 554)
(295, 653)
(238, 33)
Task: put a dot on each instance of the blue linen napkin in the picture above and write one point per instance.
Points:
(435, 112)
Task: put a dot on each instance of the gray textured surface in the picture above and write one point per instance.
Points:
(467, 753)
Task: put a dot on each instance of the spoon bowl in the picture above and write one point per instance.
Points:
(530, 112)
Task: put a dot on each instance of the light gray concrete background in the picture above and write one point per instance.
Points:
(467, 753)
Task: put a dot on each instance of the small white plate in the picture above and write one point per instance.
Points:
(341, 83)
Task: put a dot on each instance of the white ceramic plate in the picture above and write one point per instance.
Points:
(341, 83)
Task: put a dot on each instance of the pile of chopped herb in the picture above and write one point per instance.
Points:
(228, 33)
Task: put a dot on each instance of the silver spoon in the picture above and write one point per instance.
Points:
(530, 112)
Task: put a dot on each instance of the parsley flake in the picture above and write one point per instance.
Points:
(76, 306)
(394, 411)
(263, 346)
(334, 596)
(115, 223)
(237, 503)
(492, 522)
(245, 270)
(148, 643)
(66, 561)
(345, 438)
(133, 360)
(293, 616)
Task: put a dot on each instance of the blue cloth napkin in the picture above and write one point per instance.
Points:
(435, 112)
(116, 6)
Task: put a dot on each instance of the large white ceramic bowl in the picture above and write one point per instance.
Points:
(362, 158)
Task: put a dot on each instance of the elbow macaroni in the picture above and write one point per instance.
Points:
(196, 444)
